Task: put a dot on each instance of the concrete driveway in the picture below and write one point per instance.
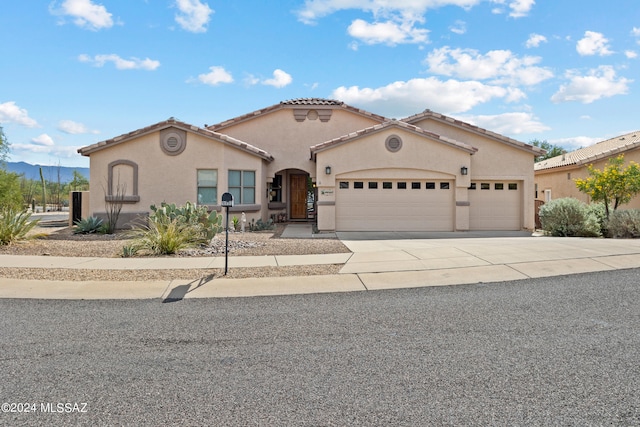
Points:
(387, 260)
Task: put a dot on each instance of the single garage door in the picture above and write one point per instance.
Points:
(495, 205)
(394, 205)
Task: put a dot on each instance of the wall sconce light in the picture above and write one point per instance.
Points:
(327, 170)
(464, 170)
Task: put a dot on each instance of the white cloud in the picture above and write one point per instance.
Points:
(519, 8)
(402, 98)
(280, 79)
(74, 128)
(508, 123)
(575, 142)
(389, 32)
(120, 63)
(535, 40)
(85, 14)
(635, 32)
(593, 43)
(215, 76)
(630, 54)
(193, 16)
(459, 27)
(44, 140)
(409, 9)
(67, 152)
(11, 113)
(499, 66)
(600, 82)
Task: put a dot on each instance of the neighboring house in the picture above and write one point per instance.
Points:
(555, 177)
(322, 160)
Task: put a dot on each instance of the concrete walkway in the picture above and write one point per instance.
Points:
(377, 261)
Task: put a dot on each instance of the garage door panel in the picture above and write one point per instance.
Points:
(495, 209)
(394, 209)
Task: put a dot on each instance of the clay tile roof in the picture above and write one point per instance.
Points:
(172, 122)
(475, 129)
(601, 150)
(312, 101)
(391, 123)
(293, 103)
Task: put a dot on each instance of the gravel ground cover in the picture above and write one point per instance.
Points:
(61, 241)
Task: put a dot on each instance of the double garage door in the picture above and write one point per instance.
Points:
(405, 205)
(395, 205)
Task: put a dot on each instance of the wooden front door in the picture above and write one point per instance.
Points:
(298, 185)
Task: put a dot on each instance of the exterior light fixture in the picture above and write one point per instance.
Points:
(327, 170)
(464, 170)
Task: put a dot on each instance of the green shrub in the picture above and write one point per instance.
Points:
(165, 236)
(196, 216)
(15, 225)
(260, 225)
(600, 212)
(624, 224)
(88, 225)
(569, 217)
(171, 228)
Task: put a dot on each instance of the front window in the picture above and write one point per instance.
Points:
(207, 186)
(242, 185)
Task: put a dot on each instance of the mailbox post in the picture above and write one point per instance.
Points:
(227, 202)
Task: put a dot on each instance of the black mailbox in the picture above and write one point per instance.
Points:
(227, 200)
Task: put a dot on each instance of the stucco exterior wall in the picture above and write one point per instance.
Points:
(289, 140)
(162, 177)
(368, 158)
(494, 160)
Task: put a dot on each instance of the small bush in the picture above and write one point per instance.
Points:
(624, 224)
(192, 215)
(88, 225)
(164, 236)
(15, 225)
(569, 217)
(260, 225)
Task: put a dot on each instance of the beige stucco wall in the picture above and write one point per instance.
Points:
(289, 141)
(368, 158)
(561, 181)
(494, 161)
(162, 177)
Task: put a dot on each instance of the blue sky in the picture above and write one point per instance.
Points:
(76, 72)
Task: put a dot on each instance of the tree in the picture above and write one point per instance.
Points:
(4, 147)
(552, 150)
(10, 192)
(614, 186)
(79, 183)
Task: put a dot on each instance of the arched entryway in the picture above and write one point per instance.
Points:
(291, 196)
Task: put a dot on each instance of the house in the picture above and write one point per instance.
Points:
(555, 177)
(322, 160)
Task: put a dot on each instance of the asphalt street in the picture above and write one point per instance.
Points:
(552, 351)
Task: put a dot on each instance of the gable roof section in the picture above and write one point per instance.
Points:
(293, 104)
(171, 122)
(601, 150)
(389, 124)
(428, 114)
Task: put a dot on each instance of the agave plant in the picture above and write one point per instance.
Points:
(88, 225)
(14, 225)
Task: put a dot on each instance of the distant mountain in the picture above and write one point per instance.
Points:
(50, 173)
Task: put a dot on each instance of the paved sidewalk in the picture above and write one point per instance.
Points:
(376, 262)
